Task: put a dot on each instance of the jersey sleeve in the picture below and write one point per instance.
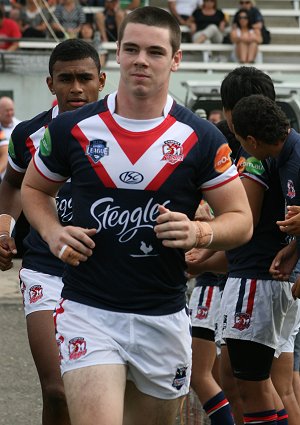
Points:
(252, 168)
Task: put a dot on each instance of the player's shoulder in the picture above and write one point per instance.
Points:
(67, 120)
(27, 127)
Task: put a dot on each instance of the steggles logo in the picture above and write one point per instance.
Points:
(109, 215)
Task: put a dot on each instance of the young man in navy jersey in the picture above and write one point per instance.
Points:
(75, 78)
(139, 165)
(265, 133)
(248, 267)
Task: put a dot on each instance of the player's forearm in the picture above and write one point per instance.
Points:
(230, 230)
(10, 200)
(40, 210)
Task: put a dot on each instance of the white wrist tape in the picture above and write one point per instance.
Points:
(7, 224)
(204, 234)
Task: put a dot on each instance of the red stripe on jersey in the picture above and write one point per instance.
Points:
(30, 146)
(205, 189)
(43, 175)
(209, 296)
(168, 169)
(98, 168)
(135, 144)
(251, 296)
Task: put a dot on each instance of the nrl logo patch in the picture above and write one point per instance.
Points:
(97, 149)
(180, 378)
(172, 152)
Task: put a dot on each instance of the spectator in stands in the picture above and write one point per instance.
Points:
(89, 34)
(8, 121)
(207, 23)
(70, 16)
(109, 21)
(31, 19)
(256, 19)
(246, 38)
(182, 11)
(3, 153)
(10, 29)
(129, 5)
(215, 116)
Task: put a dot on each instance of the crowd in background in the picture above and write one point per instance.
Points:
(204, 21)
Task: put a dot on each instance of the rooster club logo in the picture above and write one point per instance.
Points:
(77, 348)
(202, 312)
(241, 321)
(291, 193)
(172, 152)
(35, 293)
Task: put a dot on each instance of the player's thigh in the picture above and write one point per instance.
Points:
(144, 409)
(282, 372)
(203, 357)
(42, 341)
(95, 394)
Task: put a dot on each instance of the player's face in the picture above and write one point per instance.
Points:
(254, 147)
(75, 83)
(146, 60)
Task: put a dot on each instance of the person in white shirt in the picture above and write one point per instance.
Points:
(8, 121)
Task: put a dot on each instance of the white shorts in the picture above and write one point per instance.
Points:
(290, 330)
(40, 291)
(204, 306)
(156, 349)
(257, 310)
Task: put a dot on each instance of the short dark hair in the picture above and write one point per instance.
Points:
(245, 81)
(153, 17)
(260, 117)
(73, 49)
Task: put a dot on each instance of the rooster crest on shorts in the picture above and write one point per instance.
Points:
(97, 149)
(172, 152)
(180, 377)
(202, 312)
(291, 193)
(77, 348)
(35, 293)
(241, 321)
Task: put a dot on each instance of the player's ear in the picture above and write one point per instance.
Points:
(49, 82)
(102, 79)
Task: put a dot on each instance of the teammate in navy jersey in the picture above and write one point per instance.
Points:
(139, 165)
(263, 134)
(252, 261)
(76, 79)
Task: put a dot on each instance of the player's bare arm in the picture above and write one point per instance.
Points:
(10, 205)
(71, 244)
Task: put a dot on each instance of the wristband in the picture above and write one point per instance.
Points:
(7, 224)
(204, 234)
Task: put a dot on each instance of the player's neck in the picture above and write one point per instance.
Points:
(139, 108)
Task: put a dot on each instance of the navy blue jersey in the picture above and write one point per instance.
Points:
(23, 144)
(253, 259)
(119, 178)
(289, 170)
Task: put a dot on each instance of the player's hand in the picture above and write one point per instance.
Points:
(296, 288)
(7, 252)
(194, 259)
(291, 224)
(71, 244)
(175, 229)
(284, 262)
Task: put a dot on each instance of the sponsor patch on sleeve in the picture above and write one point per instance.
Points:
(222, 159)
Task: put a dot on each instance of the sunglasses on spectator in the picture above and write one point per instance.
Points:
(243, 17)
(206, 1)
(245, 2)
